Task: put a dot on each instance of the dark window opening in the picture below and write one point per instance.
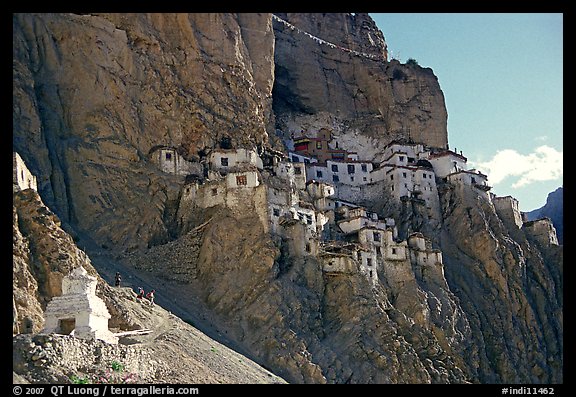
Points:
(376, 236)
(224, 161)
(309, 219)
(401, 158)
(393, 251)
(364, 168)
(276, 211)
(168, 156)
(391, 177)
(308, 248)
(295, 159)
(351, 168)
(214, 192)
(334, 168)
(410, 159)
(371, 274)
(369, 262)
(378, 251)
(404, 174)
(306, 161)
(319, 174)
(297, 170)
(352, 178)
(335, 178)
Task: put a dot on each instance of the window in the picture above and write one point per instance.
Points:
(295, 159)
(276, 211)
(318, 173)
(241, 180)
(424, 176)
(401, 158)
(410, 159)
(309, 219)
(224, 161)
(391, 177)
(378, 251)
(351, 179)
(214, 192)
(404, 174)
(473, 180)
(335, 178)
(297, 170)
(376, 236)
(169, 156)
(364, 168)
(334, 167)
(392, 188)
(364, 178)
(318, 145)
(306, 161)
(308, 247)
(369, 262)
(393, 251)
(370, 273)
(351, 168)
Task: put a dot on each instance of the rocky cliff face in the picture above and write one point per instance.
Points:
(173, 352)
(365, 102)
(93, 94)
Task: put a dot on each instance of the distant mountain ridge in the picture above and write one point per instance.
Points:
(553, 209)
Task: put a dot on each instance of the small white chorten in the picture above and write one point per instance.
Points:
(78, 309)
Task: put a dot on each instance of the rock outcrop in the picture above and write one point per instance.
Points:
(172, 352)
(365, 102)
(95, 95)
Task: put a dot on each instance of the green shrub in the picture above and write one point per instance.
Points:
(412, 62)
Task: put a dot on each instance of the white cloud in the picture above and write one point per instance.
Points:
(543, 164)
(541, 138)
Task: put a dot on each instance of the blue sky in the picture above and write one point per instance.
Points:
(502, 78)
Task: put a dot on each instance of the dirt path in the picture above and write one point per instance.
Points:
(179, 298)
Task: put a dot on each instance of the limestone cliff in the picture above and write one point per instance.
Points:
(95, 95)
(173, 352)
(365, 102)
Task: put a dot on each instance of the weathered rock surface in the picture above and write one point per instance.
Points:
(366, 102)
(94, 93)
(174, 351)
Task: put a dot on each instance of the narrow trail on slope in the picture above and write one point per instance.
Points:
(181, 299)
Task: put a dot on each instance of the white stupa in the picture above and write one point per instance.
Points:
(78, 310)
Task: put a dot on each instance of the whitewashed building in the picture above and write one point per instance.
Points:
(78, 310)
(446, 162)
(22, 178)
(168, 160)
(226, 159)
